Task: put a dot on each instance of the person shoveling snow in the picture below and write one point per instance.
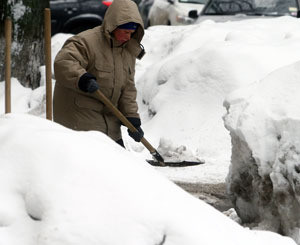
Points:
(100, 58)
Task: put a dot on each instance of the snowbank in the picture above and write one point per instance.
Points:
(182, 81)
(63, 187)
(264, 179)
(189, 70)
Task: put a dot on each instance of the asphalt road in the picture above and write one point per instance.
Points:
(213, 194)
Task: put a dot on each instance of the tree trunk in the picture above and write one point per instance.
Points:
(27, 52)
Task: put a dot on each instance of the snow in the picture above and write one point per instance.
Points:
(67, 191)
(18, 10)
(182, 82)
(265, 119)
(275, 101)
(187, 73)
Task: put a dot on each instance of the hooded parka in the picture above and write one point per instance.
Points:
(96, 51)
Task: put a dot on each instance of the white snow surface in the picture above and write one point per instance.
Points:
(266, 115)
(61, 187)
(188, 71)
(87, 190)
(184, 78)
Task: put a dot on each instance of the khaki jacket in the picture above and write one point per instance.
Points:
(95, 51)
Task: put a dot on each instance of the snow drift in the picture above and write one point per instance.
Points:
(182, 81)
(189, 70)
(264, 177)
(63, 187)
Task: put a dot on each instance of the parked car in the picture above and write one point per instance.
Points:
(222, 10)
(144, 8)
(174, 12)
(74, 16)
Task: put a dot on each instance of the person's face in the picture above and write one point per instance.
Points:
(122, 35)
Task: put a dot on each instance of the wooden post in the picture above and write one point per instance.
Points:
(8, 33)
(47, 21)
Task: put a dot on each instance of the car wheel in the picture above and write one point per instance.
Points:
(75, 29)
(78, 29)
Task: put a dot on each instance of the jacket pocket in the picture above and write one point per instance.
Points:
(104, 75)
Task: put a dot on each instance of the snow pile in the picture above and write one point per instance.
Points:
(183, 80)
(264, 178)
(189, 70)
(173, 153)
(62, 187)
(20, 97)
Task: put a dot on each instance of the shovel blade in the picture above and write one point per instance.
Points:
(175, 164)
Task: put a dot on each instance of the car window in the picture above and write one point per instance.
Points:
(64, 1)
(257, 7)
(193, 1)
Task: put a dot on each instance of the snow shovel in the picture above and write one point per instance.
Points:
(159, 161)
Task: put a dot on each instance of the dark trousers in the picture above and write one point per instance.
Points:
(120, 142)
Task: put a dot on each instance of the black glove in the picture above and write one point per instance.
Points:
(138, 135)
(87, 83)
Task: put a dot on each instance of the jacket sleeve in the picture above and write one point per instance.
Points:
(71, 63)
(127, 103)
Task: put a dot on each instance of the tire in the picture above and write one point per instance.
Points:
(80, 27)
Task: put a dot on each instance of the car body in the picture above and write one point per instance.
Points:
(174, 12)
(223, 10)
(74, 16)
(144, 8)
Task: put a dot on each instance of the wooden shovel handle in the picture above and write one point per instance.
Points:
(128, 124)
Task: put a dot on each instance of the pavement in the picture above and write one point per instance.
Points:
(213, 194)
